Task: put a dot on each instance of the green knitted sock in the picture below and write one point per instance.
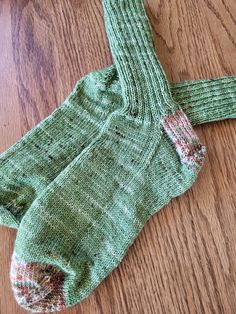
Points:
(32, 163)
(74, 234)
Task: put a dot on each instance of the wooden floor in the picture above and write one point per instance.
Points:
(184, 261)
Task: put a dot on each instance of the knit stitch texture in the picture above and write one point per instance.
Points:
(29, 166)
(143, 153)
(80, 228)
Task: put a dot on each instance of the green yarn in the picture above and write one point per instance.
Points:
(146, 153)
(27, 168)
(206, 101)
(126, 150)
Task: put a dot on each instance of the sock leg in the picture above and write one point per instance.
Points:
(208, 100)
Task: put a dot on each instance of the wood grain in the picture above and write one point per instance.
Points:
(184, 259)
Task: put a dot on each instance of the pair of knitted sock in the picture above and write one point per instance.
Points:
(46, 150)
(81, 185)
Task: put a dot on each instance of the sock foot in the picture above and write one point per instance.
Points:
(37, 287)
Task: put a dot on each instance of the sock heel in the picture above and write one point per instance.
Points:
(191, 151)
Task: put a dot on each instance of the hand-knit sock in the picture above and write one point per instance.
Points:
(34, 162)
(79, 230)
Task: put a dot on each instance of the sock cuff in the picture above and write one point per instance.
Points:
(134, 53)
(207, 100)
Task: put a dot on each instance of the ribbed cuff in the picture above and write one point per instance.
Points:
(142, 77)
(208, 100)
(203, 101)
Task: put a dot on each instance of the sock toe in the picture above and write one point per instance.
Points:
(37, 287)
